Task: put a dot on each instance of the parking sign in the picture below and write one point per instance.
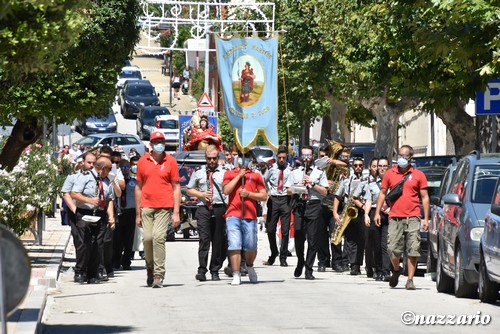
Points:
(488, 102)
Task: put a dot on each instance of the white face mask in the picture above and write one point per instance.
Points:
(159, 148)
(133, 169)
(402, 162)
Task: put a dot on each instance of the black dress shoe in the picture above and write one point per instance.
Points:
(321, 269)
(309, 276)
(355, 270)
(369, 272)
(215, 277)
(298, 270)
(338, 269)
(228, 271)
(283, 263)
(345, 267)
(243, 269)
(201, 277)
(79, 278)
(270, 261)
(127, 268)
(111, 274)
(102, 277)
(94, 280)
(288, 253)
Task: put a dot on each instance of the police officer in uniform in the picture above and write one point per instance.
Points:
(94, 197)
(206, 185)
(308, 221)
(278, 206)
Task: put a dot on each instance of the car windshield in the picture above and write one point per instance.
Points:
(149, 115)
(186, 170)
(141, 91)
(483, 184)
(130, 75)
(88, 141)
(433, 184)
(168, 124)
(262, 153)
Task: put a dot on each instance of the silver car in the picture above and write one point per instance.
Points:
(461, 228)
(489, 263)
(127, 141)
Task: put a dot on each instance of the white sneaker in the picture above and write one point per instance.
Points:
(236, 278)
(252, 275)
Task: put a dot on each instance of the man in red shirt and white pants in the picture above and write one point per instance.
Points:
(404, 216)
(244, 188)
(157, 198)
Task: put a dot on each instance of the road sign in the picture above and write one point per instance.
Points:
(205, 102)
(488, 102)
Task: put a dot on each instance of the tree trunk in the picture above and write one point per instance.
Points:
(461, 127)
(487, 138)
(24, 133)
(336, 129)
(387, 125)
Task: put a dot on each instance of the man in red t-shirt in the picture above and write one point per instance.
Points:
(404, 216)
(244, 188)
(157, 199)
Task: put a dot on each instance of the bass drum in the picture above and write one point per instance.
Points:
(15, 269)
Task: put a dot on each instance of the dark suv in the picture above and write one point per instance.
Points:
(145, 120)
(136, 94)
(459, 232)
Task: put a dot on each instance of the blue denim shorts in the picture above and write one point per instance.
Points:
(241, 234)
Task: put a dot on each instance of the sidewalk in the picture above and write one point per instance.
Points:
(45, 263)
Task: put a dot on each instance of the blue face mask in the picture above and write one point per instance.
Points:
(402, 162)
(243, 161)
(159, 148)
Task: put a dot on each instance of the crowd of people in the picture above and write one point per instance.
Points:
(110, 205)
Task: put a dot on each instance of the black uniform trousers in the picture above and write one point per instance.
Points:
(211, 230)
(377, 256)
(278, 207)
(123, 238)
(309, 225)
(107, 250)
(325, 235)
(354, 240)
(90, 240)
(76, 240)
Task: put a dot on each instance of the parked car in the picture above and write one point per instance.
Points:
(263, 153)
(97, 124)
(136, 94)
(145, 120)
(169, 125)
(436, 217)
(435, 161)
(127, 73)
(489, 250)
(459, 233)
(434, 177)
(126, 140)
(188, 162)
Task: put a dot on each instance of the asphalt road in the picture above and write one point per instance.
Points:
(334, 302)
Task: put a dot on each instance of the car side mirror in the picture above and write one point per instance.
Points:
(495, 209)
(157, 94)
(435, 200)
(452, 199)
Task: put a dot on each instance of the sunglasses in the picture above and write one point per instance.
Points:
(358, 165)
(125, 167)
(211, 158)
(307, 156)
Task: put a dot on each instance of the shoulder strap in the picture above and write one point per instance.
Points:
(220, 193)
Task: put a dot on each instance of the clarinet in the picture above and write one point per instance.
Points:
(305, 196)
(209, 189)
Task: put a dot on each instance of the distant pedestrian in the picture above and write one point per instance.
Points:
(158, 196)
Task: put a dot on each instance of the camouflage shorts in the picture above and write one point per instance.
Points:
(404, 233)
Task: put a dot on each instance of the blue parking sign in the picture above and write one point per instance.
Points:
(488, 102)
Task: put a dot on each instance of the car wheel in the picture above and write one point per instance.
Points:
(186, 233)
(462, 288)
(170, 234)
(488, 290)
(444, 283)
(431, 260)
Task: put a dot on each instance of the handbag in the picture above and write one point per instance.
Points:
(396, 191)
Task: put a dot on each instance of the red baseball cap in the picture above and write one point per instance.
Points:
(157, 135)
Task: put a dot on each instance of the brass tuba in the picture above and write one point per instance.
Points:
(335, 174)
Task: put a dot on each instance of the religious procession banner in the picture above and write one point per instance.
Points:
(248, 76)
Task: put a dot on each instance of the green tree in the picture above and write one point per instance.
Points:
(81, 82)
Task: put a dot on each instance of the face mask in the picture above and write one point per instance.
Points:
(243, 161)
(159, 148)
(133, 169)
(402, 162)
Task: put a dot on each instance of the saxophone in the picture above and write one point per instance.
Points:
(349, 212)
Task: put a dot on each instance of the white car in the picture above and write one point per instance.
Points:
(128, 72)
(169, 125)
